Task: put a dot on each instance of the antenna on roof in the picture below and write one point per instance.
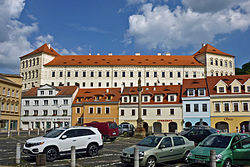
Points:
(203, 44)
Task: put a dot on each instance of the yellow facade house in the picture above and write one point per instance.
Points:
(230, 102)
(10, 101)
(100, 105)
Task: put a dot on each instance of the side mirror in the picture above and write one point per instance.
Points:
(64, 137)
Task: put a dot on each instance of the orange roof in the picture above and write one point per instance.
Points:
(210, 49)
(156, 90)
(212, 81)
(130, 60)
(193, 84)
(63, 91)
(44, 49)
(92, 93)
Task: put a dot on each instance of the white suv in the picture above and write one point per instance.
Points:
(59, 141)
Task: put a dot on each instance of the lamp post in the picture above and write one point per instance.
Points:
(139, 131)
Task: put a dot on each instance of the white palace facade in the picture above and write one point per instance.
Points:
(45, 66)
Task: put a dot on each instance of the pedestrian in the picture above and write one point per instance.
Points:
(243, 129)
(237, 129)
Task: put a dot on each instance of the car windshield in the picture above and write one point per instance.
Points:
(113, 125)
(217, 141)
(150, 141)
(54, 133)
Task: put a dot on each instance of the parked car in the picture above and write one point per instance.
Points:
(158, 148)
(126, 128)
(59, 141)
(231, 149)
(199, 133)
(109, 130)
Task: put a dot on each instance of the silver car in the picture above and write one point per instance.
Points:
(159, 148)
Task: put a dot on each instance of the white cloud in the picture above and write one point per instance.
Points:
(40, 40)
(161, 28)
(67, 52)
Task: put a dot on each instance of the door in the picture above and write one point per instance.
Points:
(179, 147)
(241, 152)
(165, 151)
(84, 137)
(65, 144)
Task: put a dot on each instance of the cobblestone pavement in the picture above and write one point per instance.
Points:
(109, 156)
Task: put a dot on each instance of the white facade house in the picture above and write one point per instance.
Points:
(45, 66)
(47, 107)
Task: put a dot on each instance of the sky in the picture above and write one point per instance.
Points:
(122, 27)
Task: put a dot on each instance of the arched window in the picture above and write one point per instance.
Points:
(230, 64)
(27, 63)
(211, 61)
(221, 62)
(36, 73)
(225, 63)
(37, 61)
(29, 74)
(25, 75)
(23, 64)
(216, 62)
(30, 62)
(34, 62)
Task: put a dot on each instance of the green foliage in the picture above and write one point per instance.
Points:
(244, 70)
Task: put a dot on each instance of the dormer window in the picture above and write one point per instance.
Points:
(50, 92)
(221, 89)
(42, 92)
(236, 89)
(97, 98)
(171, 98)
(201, 92)
(145, 99)
(248, 89)
(190, 92)
(125, 99)
(134, 99)
(158, 98)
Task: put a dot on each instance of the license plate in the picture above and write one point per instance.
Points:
(114, 133)
(199, 161)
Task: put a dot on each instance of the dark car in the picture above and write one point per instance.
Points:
(198, 133)
(109, 130)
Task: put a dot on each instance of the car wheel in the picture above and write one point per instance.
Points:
(185, 156)
(151, 162)
(92, 150)
(227, 163)
(51, 154)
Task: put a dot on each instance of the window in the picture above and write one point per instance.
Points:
(226, 107)
(190, 92)
(236, 107)
(171, 111)
(217, 107)
(91, 110)
(230, 64)
(107, 84)
(166, 142)
(27, 102)
(50, 92)
(65, 112)
(107, 110)
(216, 62)
(45, 112)
(92, 74)
(225, 63)
(194, 74)
(236, 89)
(158, 98)
(83, 84)
(78, 110)
(212, 73)
(186, 74)
(217, 74)
(53, 74)
(145, 99)
(115, 74)
(45, 102)
(68, 83)
(35, 112)
(147, 74)
(155, 74)
(91, 84)
(131, 74)
(202, 92)
(211, 61)
(134, 99)
(84, 74)
(26, 112)
(178, 74)
(158, 112)
(115, 84)
(139, 74)
(123, 74)
(221, 89)
(171, 98)
(204, 107)
(171, 74)
(8, 92)
(122, 112)
(125, 99)
(68, 74)
(163, 74)
(248, 88)
(76, 73)
(144, 112)
(99, 110)
(196, 107)
(99, 74)
(99, 84)
(61, 74)
(178, 141)
(131, 84)
(187, 107)
(245, 106)
(147, 84)
(107, 74)
(133, 112)
(65, 102)
(221, 63)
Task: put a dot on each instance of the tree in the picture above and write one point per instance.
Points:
(244, 70)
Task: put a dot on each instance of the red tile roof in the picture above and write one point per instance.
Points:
(195, 84)
(63, 91)
(210, 49)
(92, 93)
(212, 81)
(156, 90)
(44, 48)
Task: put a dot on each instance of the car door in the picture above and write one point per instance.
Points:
(84, 137)
(179, 147)
(192, 135)
(165, 150)
(66, 144)
(241, 152)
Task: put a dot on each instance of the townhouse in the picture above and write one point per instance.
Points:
(47, 107)
(10, 101)
(196, 102)
(161, 108)
(45, 66)
(229, 102)
(100, 105)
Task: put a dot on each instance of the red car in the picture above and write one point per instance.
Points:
(109, 130)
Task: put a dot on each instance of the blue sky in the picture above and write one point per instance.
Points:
(122, 27)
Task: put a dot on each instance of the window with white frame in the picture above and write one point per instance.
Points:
(45, 102)
(144, 112)
(217, 107)
(27, 102)
(171, 97)
(91, 110)
(45, 112)
(35, 112)
(221, 89)
(186, 74)
(196, 107)
(245, 106)
(204, 107)
(133, 112)
(50, 92)
(190, 92)
(99, 110)
(107, 110)
(36, 102)
(65, 112)
(211, 61)
(134, 98)
(171, 111)
(17, 93)
(236, 106)
(54, 112)
(248, 89)
(158, 111)
(226, 107)
(42, 92)
(122, 112)
(125, 99)
(236, 89)
(188, 109)
(145, 98)
(16, 108)
(65, 102)
(201, 92)
(26, 112)
(55, 102)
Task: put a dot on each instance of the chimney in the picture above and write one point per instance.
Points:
(203, 44)
(110, 54)
(48, 45)
(158, 54)
(107, 90)
(168, 54)
(89, 53)
(154, 89)
(98, 54)
(137, 54)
